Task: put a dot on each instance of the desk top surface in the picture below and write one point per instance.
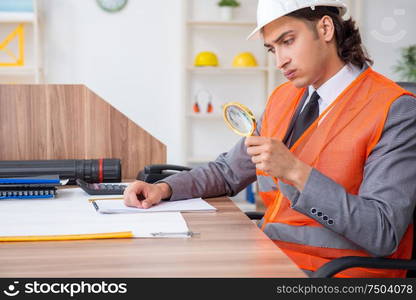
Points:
(229, 245)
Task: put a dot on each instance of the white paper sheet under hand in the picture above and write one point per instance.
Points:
(118, 206)
(71, 213)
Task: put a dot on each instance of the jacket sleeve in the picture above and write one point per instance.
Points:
(230, 173)
(377, 218)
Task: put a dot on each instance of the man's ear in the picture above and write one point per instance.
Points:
(326, 28)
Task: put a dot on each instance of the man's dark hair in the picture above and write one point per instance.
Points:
(347, 35)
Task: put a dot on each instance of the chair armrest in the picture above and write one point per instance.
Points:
(254, 215)
(339, 264)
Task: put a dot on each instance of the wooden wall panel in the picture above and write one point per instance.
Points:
(66, 113)
(71, 122)
(19, 122)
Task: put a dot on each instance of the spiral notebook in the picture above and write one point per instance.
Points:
(37, 187)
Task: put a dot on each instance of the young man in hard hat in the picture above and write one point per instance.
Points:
(339, 138)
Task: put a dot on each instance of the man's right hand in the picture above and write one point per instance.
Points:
(144, 195)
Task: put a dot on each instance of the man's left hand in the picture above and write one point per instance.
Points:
(273, 157)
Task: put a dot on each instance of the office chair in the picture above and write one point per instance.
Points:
(342, 263)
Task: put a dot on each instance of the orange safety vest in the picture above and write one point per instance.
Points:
(338, 148)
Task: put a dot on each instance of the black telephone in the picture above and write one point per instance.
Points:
(153, 173)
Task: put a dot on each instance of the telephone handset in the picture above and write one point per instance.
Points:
(153, 173)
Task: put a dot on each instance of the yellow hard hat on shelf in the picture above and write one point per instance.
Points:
(206, 59)
(245, 59)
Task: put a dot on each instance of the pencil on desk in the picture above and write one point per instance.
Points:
(95, 199)
(161, 234)
(110, 235)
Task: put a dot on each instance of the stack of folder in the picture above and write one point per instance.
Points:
(38, 187)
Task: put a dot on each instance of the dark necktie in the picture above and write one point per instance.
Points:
(308, 115)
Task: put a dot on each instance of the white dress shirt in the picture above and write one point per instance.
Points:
(333, 87)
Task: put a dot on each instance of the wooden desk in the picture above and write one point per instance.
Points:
(229, 245)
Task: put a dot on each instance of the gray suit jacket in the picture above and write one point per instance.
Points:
(375, 219)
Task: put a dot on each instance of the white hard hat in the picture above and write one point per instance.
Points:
(270, 10)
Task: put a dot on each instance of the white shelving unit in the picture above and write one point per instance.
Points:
(219, 70)
(31, 71)
(17, 17)
(206, 135)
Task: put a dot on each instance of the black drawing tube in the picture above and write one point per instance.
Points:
(89, 170)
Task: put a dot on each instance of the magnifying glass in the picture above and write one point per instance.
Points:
(242, 121)
(239, 118)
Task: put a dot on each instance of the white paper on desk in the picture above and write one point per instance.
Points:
(118, 206)
(71, 213)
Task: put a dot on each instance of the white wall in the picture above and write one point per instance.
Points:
(387, 26)
(132, 59)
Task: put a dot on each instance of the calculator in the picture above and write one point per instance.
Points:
(101, 188)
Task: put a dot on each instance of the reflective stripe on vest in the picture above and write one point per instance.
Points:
(360, 111)
(266, 183)
(308, 235)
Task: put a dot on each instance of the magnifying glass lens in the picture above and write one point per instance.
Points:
(239, 119)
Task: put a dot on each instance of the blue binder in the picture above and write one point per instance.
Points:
(38, 187)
